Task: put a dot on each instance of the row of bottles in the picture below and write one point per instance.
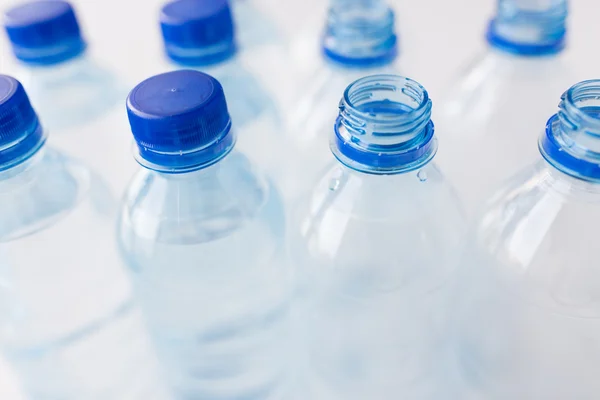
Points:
(323, 254)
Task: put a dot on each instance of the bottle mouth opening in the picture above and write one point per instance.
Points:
(579, 109)
(387, 98)
(385, 124)
(571, 141)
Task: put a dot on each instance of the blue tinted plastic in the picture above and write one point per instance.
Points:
(204, 240)
(57, 250)
(180, 121)
(253, 27)
(44, 32)
(198, 32)
(205, 248)
(375, 241)
(384, 125)
(571, 142)
(67, 323)
(530, 271)
(529, 28)
(375, 253)
(71, 94)
(247, 99)
(360, 33)
(21, 134)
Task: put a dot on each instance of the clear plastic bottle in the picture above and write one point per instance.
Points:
(76, 98)
(202, 232)
(359, 40)
(375, 243)
(503, 97)
(528, 315)
(201, 34)
(255, 28)
(67, 321)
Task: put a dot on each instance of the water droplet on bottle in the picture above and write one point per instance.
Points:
(334, 184)
(422, 175)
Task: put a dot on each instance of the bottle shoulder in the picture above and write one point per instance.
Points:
(377, 197)
(502, 93)
(201, 206)
(538, 193)
(382, 213)
(538, 233)
(82, 86)
(48, 191)
(376, 234)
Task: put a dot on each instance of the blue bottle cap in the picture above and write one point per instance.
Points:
(529, 27)
(360, 33)
(384, 126)
(21, 134)
(198, 32)
(44, 32)
(180, 121)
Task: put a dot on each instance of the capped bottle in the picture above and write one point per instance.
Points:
(491, 111)
(202, 231)
(203, 35)
(68, 324)
(76, 96)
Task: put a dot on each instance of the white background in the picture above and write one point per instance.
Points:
(438, 37)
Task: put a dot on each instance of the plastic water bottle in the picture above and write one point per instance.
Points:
(202, 232)
(529, 316)
(201, 34)
(73, 94)
(504, 97)
(375, 242)
(359, 40)
(67, 321)
(255, 28)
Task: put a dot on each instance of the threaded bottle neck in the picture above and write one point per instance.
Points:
(360, 33)
(21, 134)
(571, 141)
(529, 27)
(384, 126)
(180, 121)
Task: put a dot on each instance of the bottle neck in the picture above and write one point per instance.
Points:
(181, 162)
(384, 126)
(20, 152)
(65, 68)
(203, 57)
(568, 185)
(360, 33)
(22, 171)
(207, 173)
(529, 27)
(571, 142)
